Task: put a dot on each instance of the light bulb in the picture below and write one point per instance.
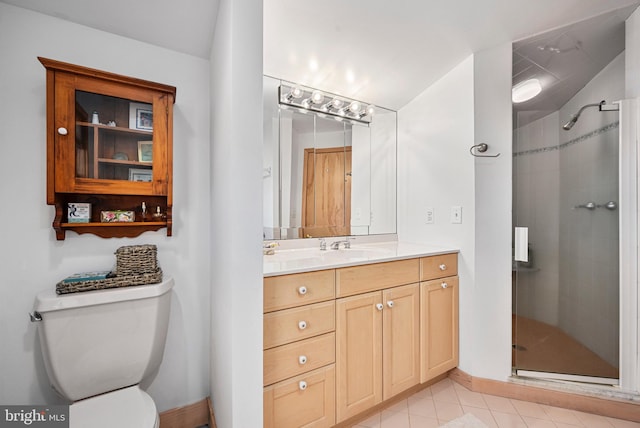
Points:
(317, 97)
(355, 107)
(296, 92)
(336, 103)
(370, 110)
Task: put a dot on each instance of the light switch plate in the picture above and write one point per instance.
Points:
(456, 214)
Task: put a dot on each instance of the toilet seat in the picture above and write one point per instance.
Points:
(125, 408)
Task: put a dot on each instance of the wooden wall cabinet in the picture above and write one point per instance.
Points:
(109, 143)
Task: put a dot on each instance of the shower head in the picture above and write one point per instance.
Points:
(567, 126)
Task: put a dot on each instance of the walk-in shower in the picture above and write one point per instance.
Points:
(566, 286)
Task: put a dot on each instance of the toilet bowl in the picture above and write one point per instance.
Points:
(126, 408)
(97, 347)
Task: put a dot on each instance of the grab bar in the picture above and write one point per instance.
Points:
(611, 206)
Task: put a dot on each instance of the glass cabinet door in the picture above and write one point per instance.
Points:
(113, 138)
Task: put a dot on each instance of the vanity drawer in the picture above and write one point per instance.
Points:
(365, 278)
(299, 357)
(441, 266)
(304, 401)
(288, 291)
(290, 325)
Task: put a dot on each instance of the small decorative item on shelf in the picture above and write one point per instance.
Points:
(94, 118)
(143, 213)
(135, 265)
(78, 212)
(111, 123)
(117, 216)
(157, 216)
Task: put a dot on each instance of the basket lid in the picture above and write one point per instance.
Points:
(48, 300)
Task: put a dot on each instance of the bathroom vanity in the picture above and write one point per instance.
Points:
(345, 330)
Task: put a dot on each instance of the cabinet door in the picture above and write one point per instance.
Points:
(400, 339)
(109, 138)
(305, 401)
(439, 322)
(358, 354)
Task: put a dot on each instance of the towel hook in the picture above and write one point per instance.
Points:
(481, 148)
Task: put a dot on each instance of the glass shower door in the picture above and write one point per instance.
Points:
(566, 284)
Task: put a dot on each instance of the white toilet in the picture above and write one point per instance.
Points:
(98, 346)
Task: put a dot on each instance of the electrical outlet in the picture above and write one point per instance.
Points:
(456, 214)
(429, 212)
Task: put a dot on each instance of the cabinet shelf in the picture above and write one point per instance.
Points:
(112, 230)
(115, 128)
(125, 162)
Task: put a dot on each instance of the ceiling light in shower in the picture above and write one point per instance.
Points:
(525, 90)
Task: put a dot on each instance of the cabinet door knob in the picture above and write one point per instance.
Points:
(302, 290)
(379, 306)
(302, 359)
(302, 325)
(444, 285)
(390, 303)
(302, 385)
(62, 130)
(443, 266)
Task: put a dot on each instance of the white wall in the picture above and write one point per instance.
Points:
(32, 259)
(470, 105)
(492, 297)
(435, 170)
(236, 215)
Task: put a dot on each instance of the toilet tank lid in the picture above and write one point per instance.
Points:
(48, 300)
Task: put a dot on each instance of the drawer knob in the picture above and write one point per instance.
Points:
(302, 290)
(302, 359)
(62, 131)
(302, 385)
(444, 285)
(379, 306)
(302, 325)
(443, 266)
(390, 303)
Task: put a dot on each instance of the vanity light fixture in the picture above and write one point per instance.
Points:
(309, 99)
(526, 90)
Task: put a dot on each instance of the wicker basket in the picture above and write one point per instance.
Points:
(136, 260)
(117, 281)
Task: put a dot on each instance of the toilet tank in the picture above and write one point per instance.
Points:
(99, 341)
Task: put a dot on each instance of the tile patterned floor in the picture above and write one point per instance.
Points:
(447, 400)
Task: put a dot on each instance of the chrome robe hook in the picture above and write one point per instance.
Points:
(481, 148)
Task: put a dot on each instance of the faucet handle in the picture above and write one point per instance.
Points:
(323, 244)
(347, 242)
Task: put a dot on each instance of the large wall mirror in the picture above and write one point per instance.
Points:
(326, 175)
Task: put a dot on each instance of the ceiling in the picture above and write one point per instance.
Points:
(376, 51)
(565, 60)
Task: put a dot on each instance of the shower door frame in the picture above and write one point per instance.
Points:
(629, 225)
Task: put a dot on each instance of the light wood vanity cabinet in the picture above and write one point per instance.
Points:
(366, 333)
(439, 315)
(299, 350)
(377, 334)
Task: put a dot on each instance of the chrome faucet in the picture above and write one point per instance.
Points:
(336, 244)
(323, 244)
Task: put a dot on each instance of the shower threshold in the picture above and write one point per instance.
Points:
(567, 377)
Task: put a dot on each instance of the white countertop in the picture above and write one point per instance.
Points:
(286, 261)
